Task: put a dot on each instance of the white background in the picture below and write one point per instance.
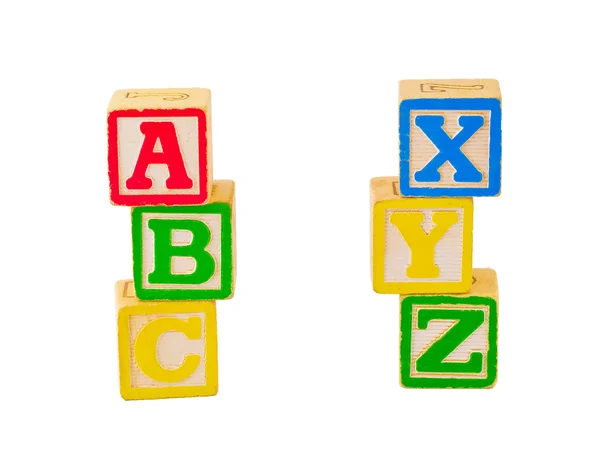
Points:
(305, 113)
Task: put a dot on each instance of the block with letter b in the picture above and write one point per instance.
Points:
(159, 147)
(165, 349)
(450, 341)
(450, 138)
(419, 245)
(186, 252)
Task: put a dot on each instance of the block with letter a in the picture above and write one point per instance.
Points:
(159, 147)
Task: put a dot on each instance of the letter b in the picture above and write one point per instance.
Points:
(165, 251)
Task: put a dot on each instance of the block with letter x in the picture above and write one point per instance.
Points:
(186, 252)
(450, 341)
(450, 138)
(159, 147)
(419, 245)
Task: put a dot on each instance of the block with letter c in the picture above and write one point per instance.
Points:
(166, 349)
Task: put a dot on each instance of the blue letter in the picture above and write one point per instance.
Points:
(449, 149)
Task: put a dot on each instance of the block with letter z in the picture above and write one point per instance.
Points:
(450, 341)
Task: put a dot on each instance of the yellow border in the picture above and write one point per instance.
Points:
(211, 387)
(421, 287)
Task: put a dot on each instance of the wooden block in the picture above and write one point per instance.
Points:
(165, 349)
(450, 138)
(186, 252)
(450, 341)
(159, 147)
(419, 245)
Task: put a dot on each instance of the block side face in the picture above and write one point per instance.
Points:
(124, 352)
(179, 174)
(168, 350)
(380, 188)
(197, 262)
(233, 233)
(422, 245)
(449, 88)
(378, 247)
(209, 155)
(166, 98)
(448, 342)
(450, 147)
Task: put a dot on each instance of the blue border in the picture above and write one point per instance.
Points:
(467, 104)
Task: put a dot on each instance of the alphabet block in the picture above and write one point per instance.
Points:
(159, 147)
(419, 245)
(450, 138)
(450, 341)
(186, 252)
(165, 349)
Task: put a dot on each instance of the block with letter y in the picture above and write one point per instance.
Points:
(159, 147)
(186, 252)
(419, 245)
(450, 138)
(450, 341)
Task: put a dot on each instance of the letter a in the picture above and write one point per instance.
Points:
(422, 245)
(170, 155)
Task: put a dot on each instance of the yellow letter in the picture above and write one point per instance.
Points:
(144, 348)
(422, 245)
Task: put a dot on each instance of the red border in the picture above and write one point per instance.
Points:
(153, 199)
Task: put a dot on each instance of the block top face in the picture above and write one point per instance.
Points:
(455, 88)
(171, 98)
(484, 284)
(159, 147)
(125, 293)
(387, 189)
(450, 141)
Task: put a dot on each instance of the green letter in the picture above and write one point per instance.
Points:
(164, 251)
(467, 321)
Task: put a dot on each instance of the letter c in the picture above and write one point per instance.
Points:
(144, 348)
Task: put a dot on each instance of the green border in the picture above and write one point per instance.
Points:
(405, 344)
(185, 294)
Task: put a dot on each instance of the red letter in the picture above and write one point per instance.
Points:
(171, 156)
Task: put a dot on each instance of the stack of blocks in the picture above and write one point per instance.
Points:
(422, 232)
(183, 228)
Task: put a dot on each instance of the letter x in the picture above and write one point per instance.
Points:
(449, 148)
